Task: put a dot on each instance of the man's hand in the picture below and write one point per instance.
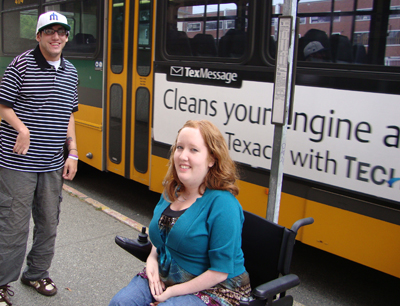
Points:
(70, 169)
(23, 142)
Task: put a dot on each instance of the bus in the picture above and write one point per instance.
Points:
(146, 67)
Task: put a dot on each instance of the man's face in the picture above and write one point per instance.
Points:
(52, 45)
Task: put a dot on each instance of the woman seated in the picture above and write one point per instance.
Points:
(196, 257)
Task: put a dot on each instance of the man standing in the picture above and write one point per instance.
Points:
(38, 96)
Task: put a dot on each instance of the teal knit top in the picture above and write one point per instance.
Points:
(208, 236)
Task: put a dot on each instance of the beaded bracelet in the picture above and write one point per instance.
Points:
(72, 156)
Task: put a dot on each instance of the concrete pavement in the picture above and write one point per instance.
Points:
(88, 267)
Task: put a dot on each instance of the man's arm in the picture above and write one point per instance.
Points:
(22, 142)
(71, 164)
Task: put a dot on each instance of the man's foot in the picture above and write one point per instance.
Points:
(44, 286)
(5, 291)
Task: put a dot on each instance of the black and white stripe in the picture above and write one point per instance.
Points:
(43, 99)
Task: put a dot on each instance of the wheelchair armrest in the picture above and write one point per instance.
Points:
(138, 249)
(276, 286)
(302, 222)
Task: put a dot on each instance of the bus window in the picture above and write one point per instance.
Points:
(392, 55)
(142, 114)
(83, 18)
(115, 129)
(362, 25)
(117, 36)
(19, 26)
(218, 29)
(18, 30)
(144, 38)
(339, 31)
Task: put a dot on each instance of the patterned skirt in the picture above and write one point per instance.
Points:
(226, 293)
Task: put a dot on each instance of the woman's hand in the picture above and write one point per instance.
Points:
(156, 286)
(204, 281)
(162, 297)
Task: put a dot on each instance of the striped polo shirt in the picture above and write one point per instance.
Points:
(43, 98)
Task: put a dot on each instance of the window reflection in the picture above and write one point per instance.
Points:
(340, 33)
(19, 26)
(213, 30)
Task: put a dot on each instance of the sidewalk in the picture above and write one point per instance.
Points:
(88, 267)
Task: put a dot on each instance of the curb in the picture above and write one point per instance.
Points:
(99, 206)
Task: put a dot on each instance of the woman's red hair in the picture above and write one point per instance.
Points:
(221, 176)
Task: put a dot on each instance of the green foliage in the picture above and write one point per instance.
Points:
(28, 26)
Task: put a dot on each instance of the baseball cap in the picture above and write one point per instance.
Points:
(50, 18)
(313, 47)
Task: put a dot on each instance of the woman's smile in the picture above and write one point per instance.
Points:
(191, 157)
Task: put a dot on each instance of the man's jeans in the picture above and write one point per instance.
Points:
(20, 194)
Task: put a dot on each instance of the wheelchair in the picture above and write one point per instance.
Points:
(268, 250)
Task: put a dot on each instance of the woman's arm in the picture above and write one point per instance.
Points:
(204, 281)
(23, 141)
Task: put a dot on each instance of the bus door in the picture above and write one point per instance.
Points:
(129, 88)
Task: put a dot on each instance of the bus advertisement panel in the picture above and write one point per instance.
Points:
(331, 139)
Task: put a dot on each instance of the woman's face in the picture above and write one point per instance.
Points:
(191, 158)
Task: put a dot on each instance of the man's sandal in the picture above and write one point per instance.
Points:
(5, 291)
(44, 286)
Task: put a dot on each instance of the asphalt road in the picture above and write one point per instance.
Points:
(326, 279)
